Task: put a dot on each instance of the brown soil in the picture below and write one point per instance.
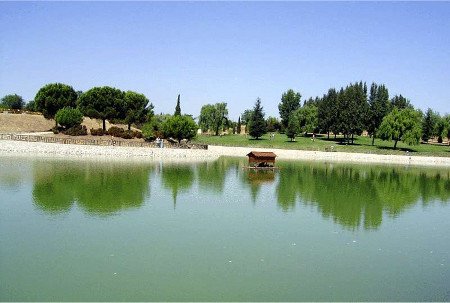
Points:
(28, 123)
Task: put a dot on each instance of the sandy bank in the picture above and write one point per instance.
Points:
(150, 154)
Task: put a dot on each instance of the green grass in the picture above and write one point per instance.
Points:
(361, 144)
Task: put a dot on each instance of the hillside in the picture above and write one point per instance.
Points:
(19, 123)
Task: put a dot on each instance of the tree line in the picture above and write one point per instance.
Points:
(348, 111)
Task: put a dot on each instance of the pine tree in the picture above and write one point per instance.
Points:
(178, 108)
(239, 125)
(257, 123)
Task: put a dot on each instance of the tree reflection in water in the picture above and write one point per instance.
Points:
(97, 188)
(353, 194)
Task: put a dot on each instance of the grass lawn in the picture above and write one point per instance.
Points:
(321, 143)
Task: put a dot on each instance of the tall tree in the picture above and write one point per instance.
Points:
(257, 123)
(307, 117)
(379, 106)
(327, 112)
(178, 107)
(239, 126)
(213, 117)
(12, 101)
(54, 96)
(430, 125)
(136, 109)
(352, 108)
(103, 103)
(404, 124)
(293, 127)
(290, 102)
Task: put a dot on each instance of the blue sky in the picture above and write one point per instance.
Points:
(228, 52)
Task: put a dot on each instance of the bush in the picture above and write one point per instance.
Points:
(137, 134)
(97, 131)
(78, 130)
(115, 131)
(69, 117)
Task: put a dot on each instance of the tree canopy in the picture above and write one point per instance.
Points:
(12, 101)
(136, 110)
(290, 101)
(103, 103)
(379, 107)
(403, 124)
(53, 97)
(68, 117)
(213, 117)
(307, 118)
(180, 127)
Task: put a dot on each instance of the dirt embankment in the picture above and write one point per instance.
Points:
(27, 123)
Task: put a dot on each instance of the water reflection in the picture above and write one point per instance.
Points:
(101, 189)
(359, 195)
(177, 178)
(353, 196)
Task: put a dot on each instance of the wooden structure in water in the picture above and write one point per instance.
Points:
(261, 160)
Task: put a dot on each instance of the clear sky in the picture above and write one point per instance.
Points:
(229, 52)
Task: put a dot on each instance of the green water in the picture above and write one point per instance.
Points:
(105, 231)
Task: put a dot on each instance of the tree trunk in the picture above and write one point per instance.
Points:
(395, 144)
(129, 126)
(373, 140)
(104, 124)
(328, 134)
(352, 139)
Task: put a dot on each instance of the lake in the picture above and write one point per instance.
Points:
(111, 231)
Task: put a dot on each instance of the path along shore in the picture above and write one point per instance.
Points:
(53, 150)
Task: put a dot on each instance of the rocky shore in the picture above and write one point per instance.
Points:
(54, 150)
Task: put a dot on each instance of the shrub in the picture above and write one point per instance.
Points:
(97, 131)
(78, 130)
(115, 131)
(69, 117)
(137, 134)
(127, 134)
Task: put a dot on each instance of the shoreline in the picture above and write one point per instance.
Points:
(107, 153)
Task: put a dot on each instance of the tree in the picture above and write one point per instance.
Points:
(239, 126)
(430, 125)
(379, 106)
(446, 129)
(54, 96)
(68, 117)
(136, 110)
(180, 127)
(273, 124)
(290, 101)
(352, 110)
(404, 124)
(177, 107)
(293, 127)
(30, 106)
(400, 102)
(307, 118)
(327, 112)
(103, 103)
(12, 101)
(213, 117)
(257, 124)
